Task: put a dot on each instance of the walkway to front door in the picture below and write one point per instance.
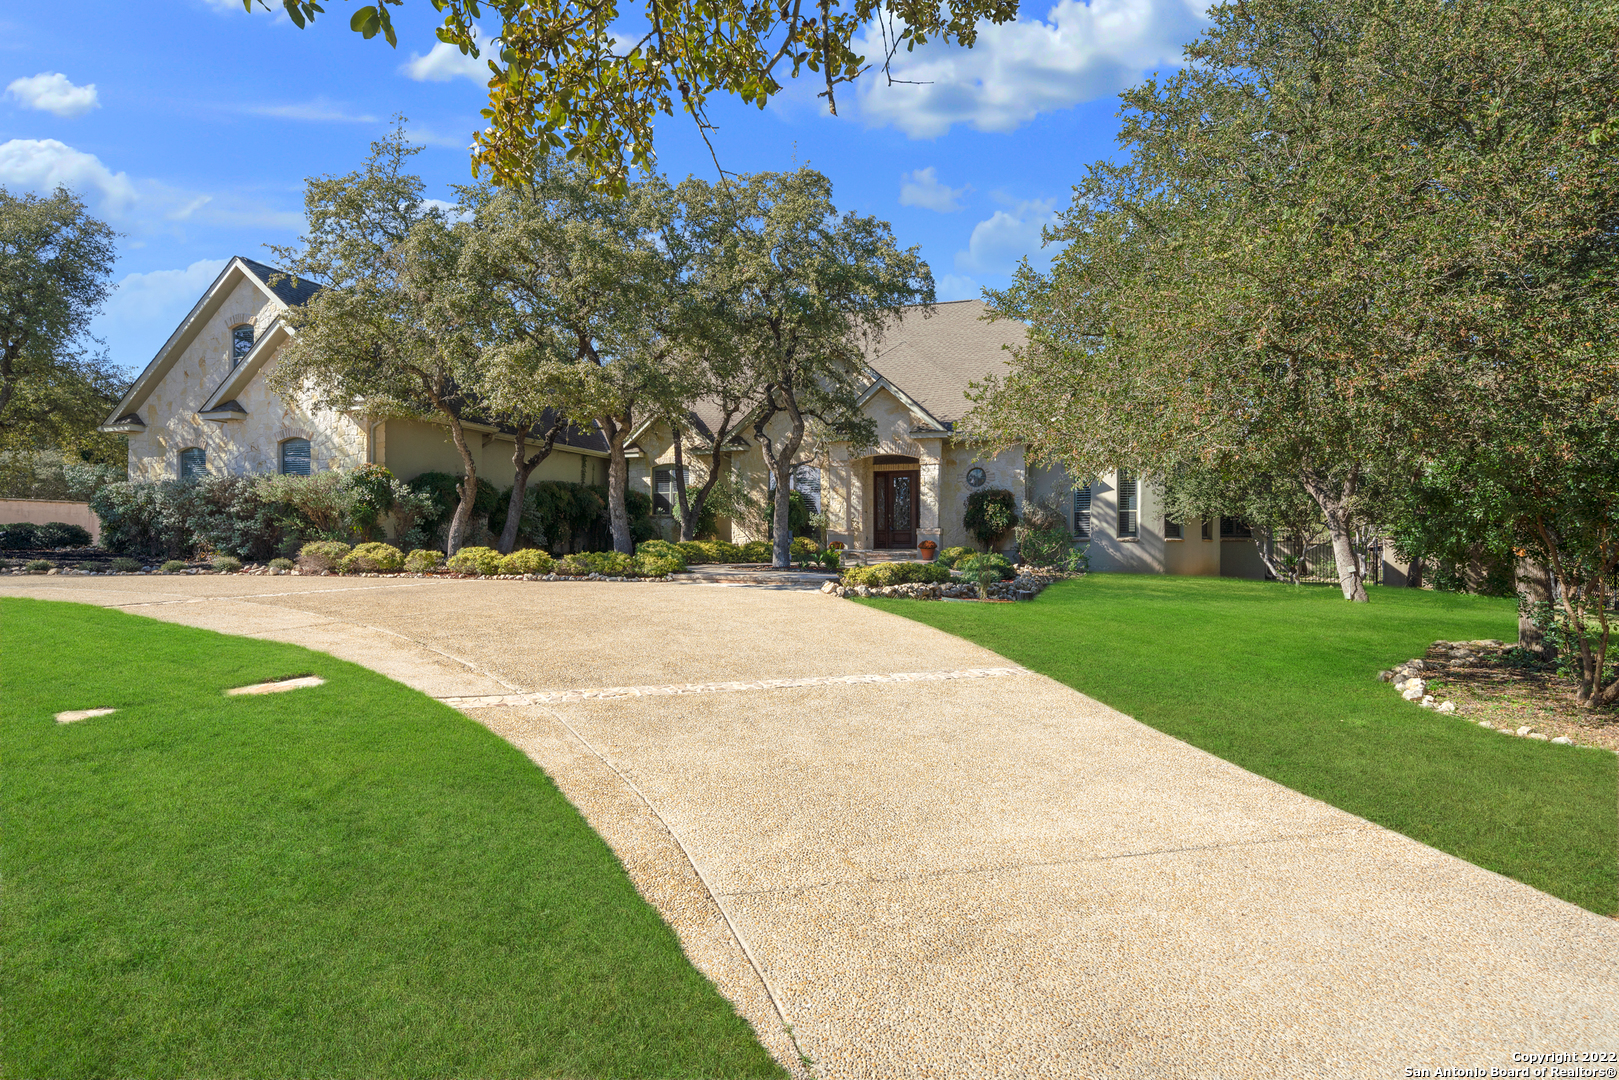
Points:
(898, 508)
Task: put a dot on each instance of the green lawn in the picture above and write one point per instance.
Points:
(1282, 680)
(349, 880)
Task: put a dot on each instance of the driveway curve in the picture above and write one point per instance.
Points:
(924, 861)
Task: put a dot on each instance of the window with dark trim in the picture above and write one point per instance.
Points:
(295, 457)
(1082, 513)
(193, 462)
(664, 495)
(1235, 529)
(1129, 505)
(241, 343)
(1208, 529)
(1173, 530)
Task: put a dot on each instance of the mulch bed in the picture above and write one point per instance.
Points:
(1511, 690)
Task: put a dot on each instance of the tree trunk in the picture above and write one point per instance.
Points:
(1335, 508)
(688, 524)
(522, 469)
(617, 429)
(469, 490)
(781, 555)
(1534, 583)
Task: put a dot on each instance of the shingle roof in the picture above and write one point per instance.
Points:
(290, 289)
(934, 358)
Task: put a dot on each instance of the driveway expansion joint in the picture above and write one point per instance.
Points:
(616, 693)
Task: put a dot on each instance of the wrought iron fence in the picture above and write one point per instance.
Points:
(1320, 564)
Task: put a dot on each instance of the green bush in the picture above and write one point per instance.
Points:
(475, 560)
(830, 558)
(125, 566)
(756, 551)
(697, 552)
(897, 573)
(45, 564)
(321, 555)
(18, 536)
(1045, 547)
(804, 547)
(424, 561)
(443, 490)
(990, 513)
(656, 566)
(610, 563)
(798, 513)
(281, 564)
(60, 534)
(951, 556)
(174, 566)
(372, 559)
(662, 549)
(527, 561)
(227, 564)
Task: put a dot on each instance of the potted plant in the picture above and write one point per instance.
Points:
(928, 549)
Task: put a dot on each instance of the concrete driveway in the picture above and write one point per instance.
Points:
(927, 862)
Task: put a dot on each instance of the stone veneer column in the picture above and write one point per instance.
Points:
(931, 460)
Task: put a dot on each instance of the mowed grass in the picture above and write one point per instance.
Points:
(348, 880)
(1282, 680)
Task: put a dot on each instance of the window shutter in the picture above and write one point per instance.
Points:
(1173, 530)
(1082, 513)
(1129, 504)
(295, 457)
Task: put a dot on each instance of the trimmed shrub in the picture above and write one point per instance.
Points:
(281, 564)
(61, 534)
(174, 566)
(227, 564)
(18, 536)
(897, 573)
(484, 561)
(610, 563)
(443, 488)
(990, 514)
(951, 556)
(372, 559)
(697, 552)
(322, 555)
(1045, 547)
(756, 551)
(44, 564)
(804, 547)
(424, 561)
(125, 566)
(655, 566)
(527, 561)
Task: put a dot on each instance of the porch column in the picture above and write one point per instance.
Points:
(930, 460)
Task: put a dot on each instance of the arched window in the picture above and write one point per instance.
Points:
(193, 462)
(295, 457)
(241, 343)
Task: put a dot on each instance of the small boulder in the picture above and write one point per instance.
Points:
(1539, 736)
(1526, 729)
(1385, 676)
(1446, 707)
(1563, 740)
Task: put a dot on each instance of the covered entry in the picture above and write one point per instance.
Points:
(896, 501)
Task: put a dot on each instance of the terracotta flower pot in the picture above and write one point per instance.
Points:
(928, 549)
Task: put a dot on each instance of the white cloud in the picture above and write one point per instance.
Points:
(145, 308)
(51, 92)
(142, 205)
(922, 188)
(999, 241)
(444, 62)
(318, 111)
(42, 164)
(427, 136)
(1018, 70)
(956, 287)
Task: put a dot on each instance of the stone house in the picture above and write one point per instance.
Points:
(203, 406)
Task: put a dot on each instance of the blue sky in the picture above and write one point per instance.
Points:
(191, 125)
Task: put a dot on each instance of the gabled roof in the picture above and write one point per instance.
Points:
(287, 292)
(931, 359)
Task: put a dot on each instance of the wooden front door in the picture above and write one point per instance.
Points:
(898, 508)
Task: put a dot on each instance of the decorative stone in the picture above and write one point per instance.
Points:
(1563, 740)
(1447, 706)
(1385, 676)
(1538, 735)
(1526, 729)
(1427, 701)
(277, 687)
(1414, 690)
(81, 714)
(1486, 724)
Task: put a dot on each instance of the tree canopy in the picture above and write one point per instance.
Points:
(1332, 239)
(55, 388)
(591, 76)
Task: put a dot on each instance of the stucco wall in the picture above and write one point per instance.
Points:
(408, 448)
(251, 445)
(45, 511)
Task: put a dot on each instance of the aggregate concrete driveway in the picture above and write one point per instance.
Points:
(970, 871)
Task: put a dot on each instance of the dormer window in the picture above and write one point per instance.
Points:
(241, 343)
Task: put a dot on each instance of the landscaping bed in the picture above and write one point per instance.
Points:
(1504, 688)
